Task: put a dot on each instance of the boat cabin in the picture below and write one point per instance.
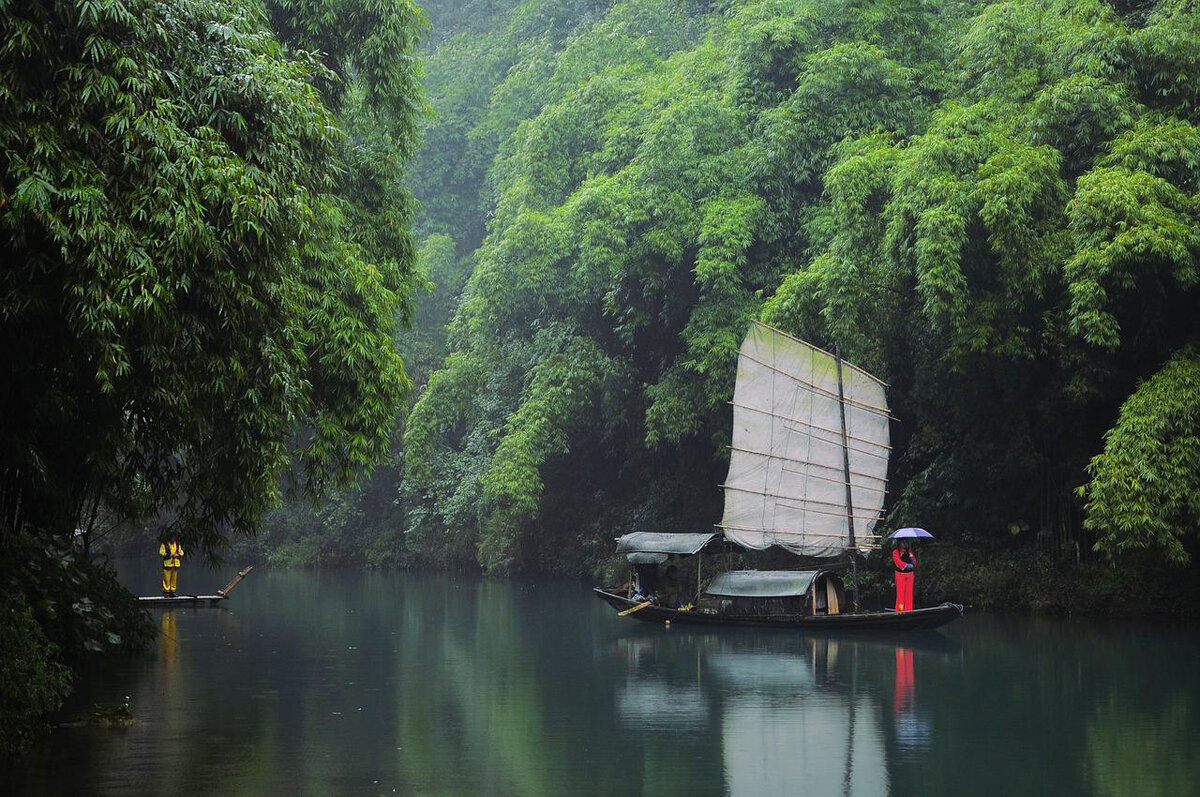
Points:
(774, 593)
(666, 567)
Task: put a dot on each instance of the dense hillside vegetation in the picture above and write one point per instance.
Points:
(993, 205)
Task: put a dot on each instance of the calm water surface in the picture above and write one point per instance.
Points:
(351, 683)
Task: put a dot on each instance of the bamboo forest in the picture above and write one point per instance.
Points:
(430, 322)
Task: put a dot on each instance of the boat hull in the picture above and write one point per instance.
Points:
(915, 620)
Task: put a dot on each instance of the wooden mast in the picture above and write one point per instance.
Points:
(837, 353)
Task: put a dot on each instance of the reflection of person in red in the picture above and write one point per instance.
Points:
(904, 559)
(904, 680)
(913, 730)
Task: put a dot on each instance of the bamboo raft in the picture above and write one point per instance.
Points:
(197, 600)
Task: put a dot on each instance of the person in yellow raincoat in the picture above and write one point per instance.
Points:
(171, 551)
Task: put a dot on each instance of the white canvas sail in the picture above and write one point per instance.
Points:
(786, 484)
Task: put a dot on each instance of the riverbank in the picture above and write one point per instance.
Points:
(1018, 581)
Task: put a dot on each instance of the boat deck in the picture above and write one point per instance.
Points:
(181, 600)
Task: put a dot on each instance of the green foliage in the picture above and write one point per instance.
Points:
(368, 44)
(1145, 488)
(200, 272)
(1166, 57)
(1041, 217)
(358, 527)
(79, 603)
(207, 250)
(992, 205)
(33, 681)
(538, 430)
(58, 610)
(993, 577)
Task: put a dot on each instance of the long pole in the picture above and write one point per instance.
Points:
(837, 353)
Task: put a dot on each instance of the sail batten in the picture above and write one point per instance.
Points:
(832, 394)
(802, 533)
(781, 496)
(834, 433)
(787, 473)
(863, 451)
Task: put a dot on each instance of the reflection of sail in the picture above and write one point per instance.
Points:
(769, 673)
(788, 728)
(803, 747)
(646, 704)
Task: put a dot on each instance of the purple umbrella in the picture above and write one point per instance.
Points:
(909, 533)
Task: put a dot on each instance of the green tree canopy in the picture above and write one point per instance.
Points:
(206, 256)
(1144, 492)
(991, 204)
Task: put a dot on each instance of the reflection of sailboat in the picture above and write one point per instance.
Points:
(771, 747)
(788, 720)
(763, 673)
(786, 709)
(808, 473)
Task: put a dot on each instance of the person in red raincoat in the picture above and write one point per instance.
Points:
(904, 559)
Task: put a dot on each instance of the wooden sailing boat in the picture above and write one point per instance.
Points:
(807, 473)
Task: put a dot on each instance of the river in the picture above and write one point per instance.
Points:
(342, 683)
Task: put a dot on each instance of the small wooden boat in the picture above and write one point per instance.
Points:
(808, 474)
(915, 620)
(196, 600)
(774, 598)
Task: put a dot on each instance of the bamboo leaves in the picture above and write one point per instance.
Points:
(1144, 491)
(538, 430)
(1126, 225)
(994, 205)
(202, 277)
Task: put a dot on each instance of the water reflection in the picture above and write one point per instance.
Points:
(788, 708)
(347, 683)
(792, 719)
(168, 643)
(913, 730)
